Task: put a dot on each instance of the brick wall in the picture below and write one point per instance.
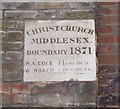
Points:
(18, 93)
(107, 52)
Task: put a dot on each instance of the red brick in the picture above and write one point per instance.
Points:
(104, 29)
(107, 102)
(104, 89)
(106, 49)
(20, 88)
(0, 88)
(107, 59)
(5, 89)
(108, 20)
(105, 69)
(119, 48)
(119, 59)
(101, 90)
(106, 11)
(115, 10)
(109, 9)
(118, 39)
(105, 79)
(107, 39)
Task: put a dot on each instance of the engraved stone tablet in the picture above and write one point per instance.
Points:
(60, 50)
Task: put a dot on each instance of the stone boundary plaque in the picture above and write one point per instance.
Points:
(59, 50)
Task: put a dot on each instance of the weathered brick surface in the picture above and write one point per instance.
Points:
(3, 55)
(19, 25)
(20, 88)
(12, 46)
(107, 39)
(6, 89)
(39, 93)
(13, 55)
(73, 5)
(105, 29)
(86, 5)
(14, 36)
(24, 5)
(12, 77)
(8, 24)
(50, 14)
(40, 5)
(0, 14)
(7, 99)
(76, 14)
(108, 77)
(108, 59)
(105, 79)
(0, 27)
(3, 34)
(64, 93)
(107, 49)
(18, 93)
(8, 5)
(8, 67)
(21, 14)
(104, 69)
(50, 5)
(19, 98)
(55, 5)
(108, 20)
(0, 5)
